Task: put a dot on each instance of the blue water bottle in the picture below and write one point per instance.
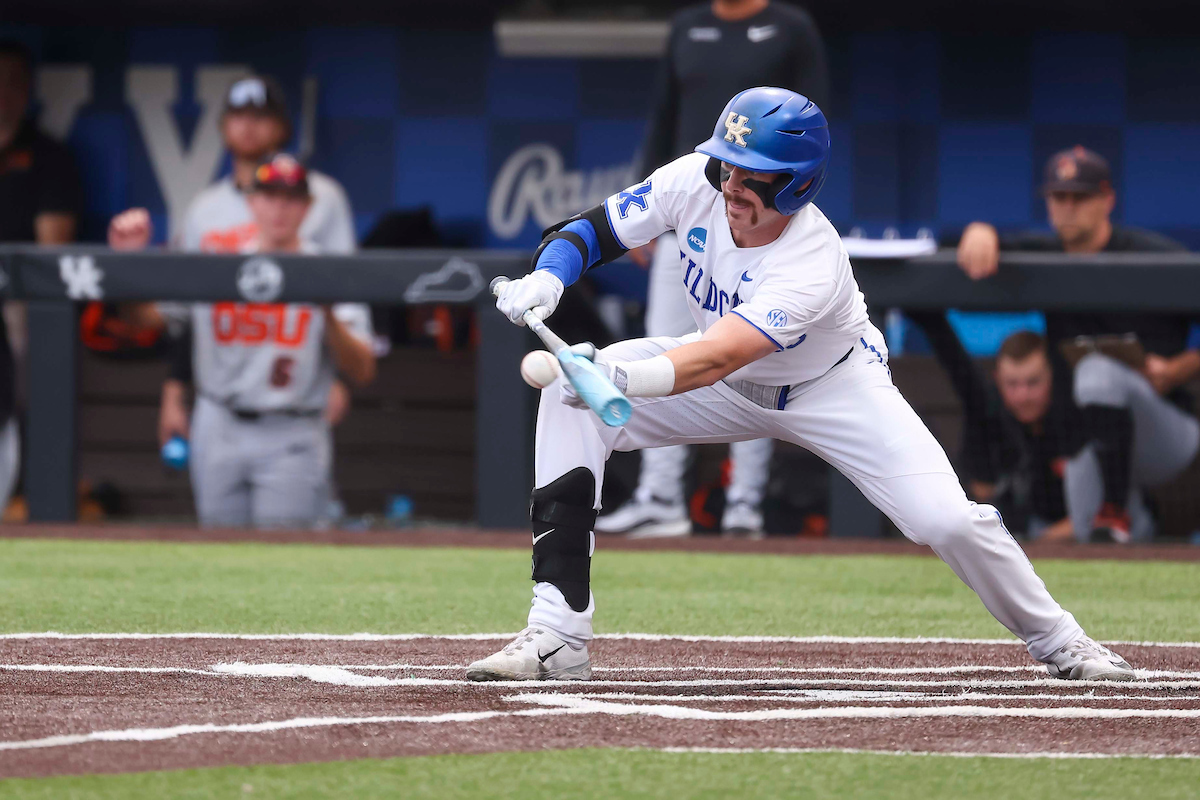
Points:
(175, 453)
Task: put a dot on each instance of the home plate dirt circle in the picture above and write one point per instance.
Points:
(125, 702)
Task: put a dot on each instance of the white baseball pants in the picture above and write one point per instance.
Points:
(853, 418)
(661, 475)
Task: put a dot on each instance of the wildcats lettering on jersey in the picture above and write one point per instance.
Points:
(258, 323)
(796, 290)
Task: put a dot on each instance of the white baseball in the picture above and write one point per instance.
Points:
(539, 369)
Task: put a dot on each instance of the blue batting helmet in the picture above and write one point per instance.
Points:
(767, 129)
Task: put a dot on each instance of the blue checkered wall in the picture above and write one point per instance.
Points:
(929, 130)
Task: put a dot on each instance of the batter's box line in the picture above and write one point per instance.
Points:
(561, 705)
(341, 676)
(837, 696)
(643, 637)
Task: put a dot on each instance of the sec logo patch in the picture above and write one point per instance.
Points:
(696, 238)
(777, 318)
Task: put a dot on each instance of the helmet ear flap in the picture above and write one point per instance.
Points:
(712, 172)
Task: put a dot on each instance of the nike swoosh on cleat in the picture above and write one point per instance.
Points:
(542, 658)
(746, 276)
(538, 537)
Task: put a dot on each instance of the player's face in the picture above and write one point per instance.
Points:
(278, 216)
(1077, 216)
(1025, 386)
(252, 135)
(744, 206)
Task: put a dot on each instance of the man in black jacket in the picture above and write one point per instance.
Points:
(714, 51)
(1135, 425)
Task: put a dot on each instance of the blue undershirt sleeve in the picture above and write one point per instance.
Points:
(563, 259)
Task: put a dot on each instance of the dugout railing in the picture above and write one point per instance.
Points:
(52, 280)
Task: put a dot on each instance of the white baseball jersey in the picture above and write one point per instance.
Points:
(219, 220)
(268, 356)
(799, 290)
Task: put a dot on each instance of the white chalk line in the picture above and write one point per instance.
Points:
(583, 703)
(552, 705)
(275, 670)
(931, 753)
(837, 696)
(340, 675)
(645, 637)
(963, 668)
(297, 670)
(176, 731)
(89, 668)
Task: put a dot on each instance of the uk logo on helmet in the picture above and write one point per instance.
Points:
(735, 128)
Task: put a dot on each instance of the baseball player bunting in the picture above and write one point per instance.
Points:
(784, 350)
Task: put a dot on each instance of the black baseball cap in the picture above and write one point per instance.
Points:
(257, 93)
(1077, 170)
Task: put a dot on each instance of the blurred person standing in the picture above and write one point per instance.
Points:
(261, 449)
(40, 193)
(1136, 426)
(40, 202)
(255, 125)
(714, 51)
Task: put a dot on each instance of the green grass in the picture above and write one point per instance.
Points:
(76, 586)
(623, 773)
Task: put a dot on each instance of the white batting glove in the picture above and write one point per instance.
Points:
(566, 392)
(539, 290)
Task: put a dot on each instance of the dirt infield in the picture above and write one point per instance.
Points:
(118, 703)
(473, 537)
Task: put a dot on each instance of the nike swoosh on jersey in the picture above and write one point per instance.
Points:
(760, 34)
(538, 537)
(746, 276)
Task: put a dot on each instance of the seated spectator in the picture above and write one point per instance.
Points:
(1044, 457)
(261, 447)
(1016, 459)
(1125, 414)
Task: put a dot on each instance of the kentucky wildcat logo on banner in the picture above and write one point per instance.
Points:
(534, 183)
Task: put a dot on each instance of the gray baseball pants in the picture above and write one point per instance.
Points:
(1165, 441)
(270, 472)
(10, 458)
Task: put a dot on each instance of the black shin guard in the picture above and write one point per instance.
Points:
(563, 518)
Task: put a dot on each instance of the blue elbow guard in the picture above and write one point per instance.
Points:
(567, 252)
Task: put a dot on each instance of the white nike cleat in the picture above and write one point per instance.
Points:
(742, 521)
(535, 655)
(1086, 660)
(647, 519)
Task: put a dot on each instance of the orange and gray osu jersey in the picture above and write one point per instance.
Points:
(268, 356)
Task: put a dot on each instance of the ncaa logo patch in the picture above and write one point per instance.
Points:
(776, 318)
(696, 238)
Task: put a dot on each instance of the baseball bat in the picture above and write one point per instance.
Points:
(592, 385)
